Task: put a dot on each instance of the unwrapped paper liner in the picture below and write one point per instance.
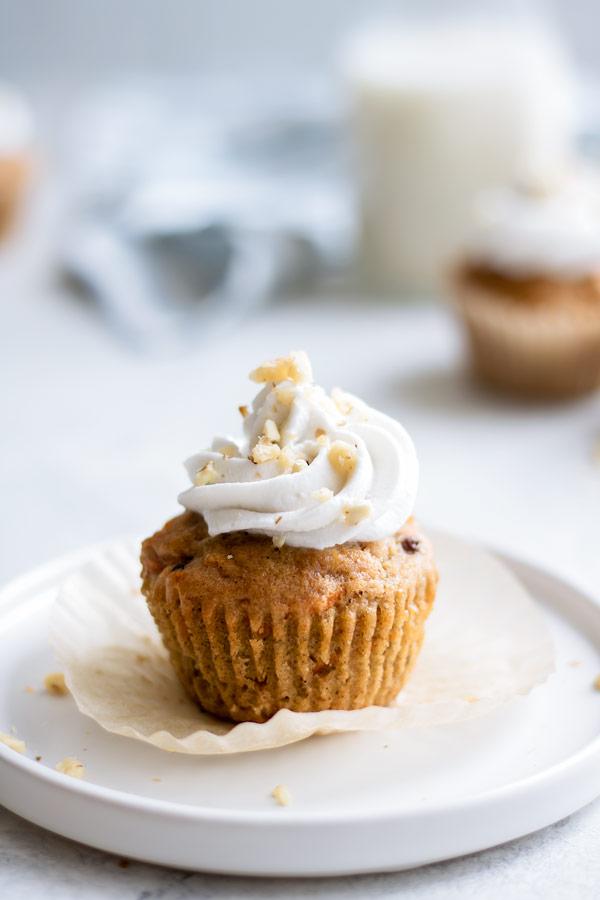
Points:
(486, 643)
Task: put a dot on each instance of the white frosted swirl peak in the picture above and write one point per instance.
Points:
(312, 470)
(540, 229)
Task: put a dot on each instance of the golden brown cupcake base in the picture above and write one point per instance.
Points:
(535, 337)
(14, 171)
(252, 629)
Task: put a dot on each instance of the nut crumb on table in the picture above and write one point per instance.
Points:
(55, 684)
(281, 795)
(13, 742)
(71, 766)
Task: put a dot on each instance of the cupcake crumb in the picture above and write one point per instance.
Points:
(29, 689)
(55, 684)
(71, 766)
(123, 863)
(596, 683)
(243, 411)
(14, 743)
(281, 795)
(38, 759)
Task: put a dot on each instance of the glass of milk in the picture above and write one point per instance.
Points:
(442, 108)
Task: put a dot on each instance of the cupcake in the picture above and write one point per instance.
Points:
(296, 577)
(16, 129)
(528, 288)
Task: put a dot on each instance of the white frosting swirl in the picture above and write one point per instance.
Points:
(334, 469)
(541, 230)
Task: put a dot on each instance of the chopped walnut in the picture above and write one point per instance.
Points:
(271, 431)
(281, 794)
(13, 742)
(265, 452)
(357, 513)
(295, 367)
(71, 766)
(206, 475)
(55, 684)
(278, 541)
(342, 457)
(322, 495)
(244, 411)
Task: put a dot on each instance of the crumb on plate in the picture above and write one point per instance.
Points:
(55, 684)
(13, 742)
(71, 766)
(281, 795)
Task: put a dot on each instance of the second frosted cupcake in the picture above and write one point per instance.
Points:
(528, 288)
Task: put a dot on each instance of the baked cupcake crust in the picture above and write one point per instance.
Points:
(252, 628)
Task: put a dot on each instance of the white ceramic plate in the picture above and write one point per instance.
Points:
(361, 802)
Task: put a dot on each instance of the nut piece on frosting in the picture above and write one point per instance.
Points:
(356, 513)
(206, 475)
(271, 431)
(295, 367)
(342, 457)
(265, 451)
(71, 766)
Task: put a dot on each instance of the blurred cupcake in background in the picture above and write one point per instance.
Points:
(528, 286)
(16, 134)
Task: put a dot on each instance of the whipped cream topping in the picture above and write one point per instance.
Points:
(312, 470)
(539, 229)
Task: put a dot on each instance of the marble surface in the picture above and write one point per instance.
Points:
(92, 440)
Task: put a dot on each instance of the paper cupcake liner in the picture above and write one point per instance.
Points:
(486, 644)
(532, 350)
(245, 665)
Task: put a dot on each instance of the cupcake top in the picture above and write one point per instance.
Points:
(312, 469)
(537, 229)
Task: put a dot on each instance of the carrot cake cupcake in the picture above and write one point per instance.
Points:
(528, 288)
(16, 132)
(296, 578)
